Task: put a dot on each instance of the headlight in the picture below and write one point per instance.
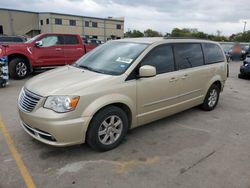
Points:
(243, 51)
(61, 103)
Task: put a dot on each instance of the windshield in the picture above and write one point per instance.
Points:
(111, 58)
(32, 39)
(227, 47)
(244, 46)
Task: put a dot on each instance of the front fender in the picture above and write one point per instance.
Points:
(110, 99)
(23, 53)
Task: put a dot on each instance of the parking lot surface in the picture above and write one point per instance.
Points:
(191, 149)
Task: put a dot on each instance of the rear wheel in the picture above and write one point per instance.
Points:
(212, 98)
(18, 68)
(107, 129)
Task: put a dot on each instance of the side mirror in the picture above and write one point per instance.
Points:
(39, 43)
(147, 71)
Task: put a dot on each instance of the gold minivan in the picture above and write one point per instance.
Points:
(121, 85)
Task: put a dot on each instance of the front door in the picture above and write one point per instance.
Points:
(50, 53)
(157, 96)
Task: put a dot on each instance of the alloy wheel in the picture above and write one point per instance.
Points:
(21, 69)
(110, 130)
(212, 98)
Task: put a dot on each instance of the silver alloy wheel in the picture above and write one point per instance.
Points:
(21, 69)
(110, 130)
(213, 96)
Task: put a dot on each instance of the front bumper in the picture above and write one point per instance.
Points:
(245, 70)
(54, 131)
(4, 72)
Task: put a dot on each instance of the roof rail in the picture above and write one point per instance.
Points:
(184, 38)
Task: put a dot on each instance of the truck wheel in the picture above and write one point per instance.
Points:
(211, 99)
(18, 68)
(107, 129)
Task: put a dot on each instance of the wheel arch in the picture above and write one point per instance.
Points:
(217, 80)
(19, 55)
(218, 84)
(125, 104)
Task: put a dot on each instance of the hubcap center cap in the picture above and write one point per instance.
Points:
(110, 130)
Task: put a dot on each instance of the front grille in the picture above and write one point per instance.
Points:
(28, 100)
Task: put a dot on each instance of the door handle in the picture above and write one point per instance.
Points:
(58, 49)
(173, 79)
(184, 76)
(79, 49)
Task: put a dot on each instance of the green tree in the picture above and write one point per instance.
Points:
(133, 34)
(152, 33)
(242, 37)
(193, 32)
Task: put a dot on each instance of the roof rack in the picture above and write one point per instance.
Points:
(184, 38)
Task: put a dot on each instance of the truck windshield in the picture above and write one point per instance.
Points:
(32, 39)
(112, 58)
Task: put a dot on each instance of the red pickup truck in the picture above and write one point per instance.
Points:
(43, 51)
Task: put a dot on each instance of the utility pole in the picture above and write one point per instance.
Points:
(245, 23)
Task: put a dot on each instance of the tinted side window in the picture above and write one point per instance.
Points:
(70, 40)
(16, 39)
(161, 58)
(5, 39)
(212, 53)
(188, 55)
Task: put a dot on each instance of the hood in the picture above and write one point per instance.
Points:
(67, 80)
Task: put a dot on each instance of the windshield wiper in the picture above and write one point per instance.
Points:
(89, 68)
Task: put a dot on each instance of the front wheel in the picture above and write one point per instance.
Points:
(107, 129)
(18, 68)
(211, 99)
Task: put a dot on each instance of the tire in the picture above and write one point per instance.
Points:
(241, 76)
(211, 99)
(18, 68)
(102, 134)
(2, 83)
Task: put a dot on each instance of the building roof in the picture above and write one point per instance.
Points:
(63, 14)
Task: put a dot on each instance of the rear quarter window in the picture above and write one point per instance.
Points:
(212, 53)
(70, 40)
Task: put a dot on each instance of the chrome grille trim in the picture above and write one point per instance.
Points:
(27, 100)
(38, 133)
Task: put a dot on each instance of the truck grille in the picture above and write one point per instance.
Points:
(28, 100)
